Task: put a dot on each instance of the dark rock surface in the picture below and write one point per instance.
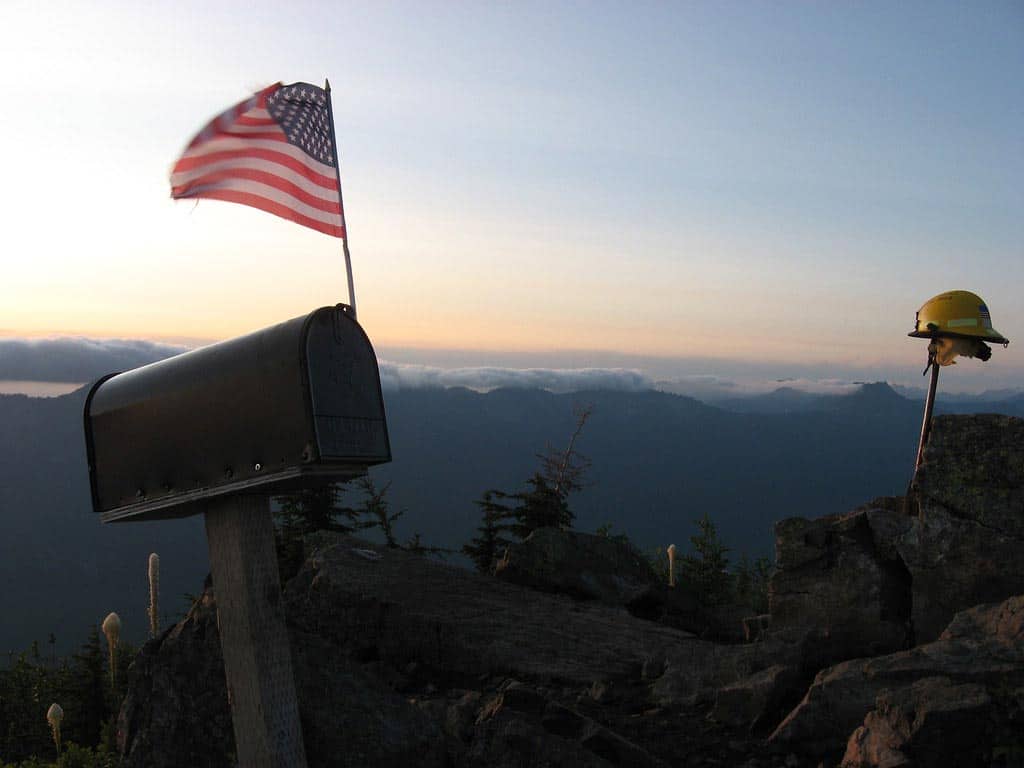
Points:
(609, 570)
(965, 547)
(974, 671)
(582, 565)
(753, 701)
(832, 576)
(877, 580)
(892, 639)
(931, 722)
(176, 710)
(402, 660)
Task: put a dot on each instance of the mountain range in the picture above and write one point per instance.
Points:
(658, 462)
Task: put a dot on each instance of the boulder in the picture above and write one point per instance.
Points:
(831, 577)
(611, 571)
(696, 674)
(403, 608)
(931, 722)
(401, 660)
(876, 580)
(755, 628)
(557, 735)
(983, 646)
(974, 468)
(964, 548)
(755, 700)
(176, 711)
(583, 565)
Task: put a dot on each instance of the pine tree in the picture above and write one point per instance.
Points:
(23, 686)
(563, 471)
(743, 580)
(540, 506)
(760, 578)
(543, 504)
(86, 696)
(704, 569)
(315, 509)
(376, 511)
(302, 513)
(491, 541)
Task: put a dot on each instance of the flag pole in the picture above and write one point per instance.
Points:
(337, 176)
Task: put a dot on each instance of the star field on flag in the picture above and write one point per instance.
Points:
(274, 151)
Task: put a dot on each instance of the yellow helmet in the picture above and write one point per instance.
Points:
(956, 314)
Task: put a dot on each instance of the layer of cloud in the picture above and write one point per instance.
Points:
(76, 360)
(396, 376)
(80, 360)
(713, 388)
(26, 362)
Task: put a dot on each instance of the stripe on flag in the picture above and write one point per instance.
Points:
(273, 151)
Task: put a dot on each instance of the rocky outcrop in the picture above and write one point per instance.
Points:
(964, 547)
(931, 722)
(751, 702)
(176, 709)
(582, 565)
(402, 608)
(577, 655)
(877, 580)
(833, 579)
(402, 660)
(898, 703)
(176, 712)
(610, 570)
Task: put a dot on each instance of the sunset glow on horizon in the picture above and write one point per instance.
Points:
(732, 181)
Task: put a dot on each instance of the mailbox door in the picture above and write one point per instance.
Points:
(344, 386)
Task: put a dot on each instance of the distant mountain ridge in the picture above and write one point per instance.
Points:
(787, 399)
(659, 461)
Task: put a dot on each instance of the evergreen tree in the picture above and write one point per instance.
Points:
(315, 509)
(86, 696)
(751, 582)
(540, 506)
(24, 686)
(743, 580)
(563, 471)
(376, 511)
(543, 504)
(302, 513)
(704, 570)
(760, 576)
(485, 549)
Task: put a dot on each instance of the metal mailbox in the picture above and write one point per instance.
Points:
(293, 404)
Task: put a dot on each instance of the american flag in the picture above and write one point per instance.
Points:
(273, 151)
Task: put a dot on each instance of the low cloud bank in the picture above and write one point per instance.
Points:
(712, 388)
(80, 360)
(76, 360)
(397, 376)
(25, 362)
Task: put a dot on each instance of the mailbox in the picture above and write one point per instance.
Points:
(293, 404)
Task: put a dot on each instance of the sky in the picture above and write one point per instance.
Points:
(680, 189)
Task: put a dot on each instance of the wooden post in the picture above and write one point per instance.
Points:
(253, 636)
